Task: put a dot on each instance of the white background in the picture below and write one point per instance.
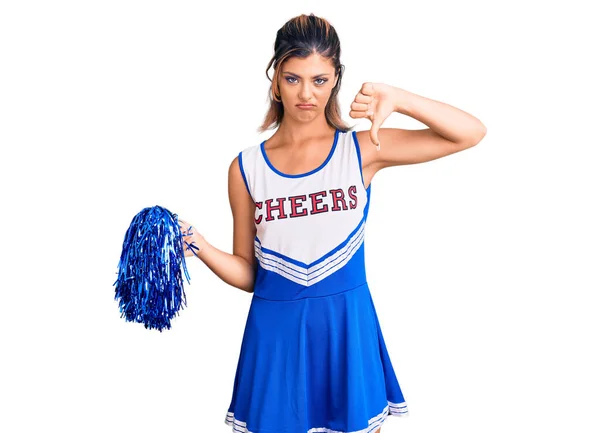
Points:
(482, 265)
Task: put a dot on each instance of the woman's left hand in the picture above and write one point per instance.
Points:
(375, 101)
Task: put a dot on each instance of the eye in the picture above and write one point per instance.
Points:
(290, 78)
(321, 79)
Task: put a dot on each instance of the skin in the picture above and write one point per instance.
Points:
(303, 140)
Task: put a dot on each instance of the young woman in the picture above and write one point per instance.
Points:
(313, 357)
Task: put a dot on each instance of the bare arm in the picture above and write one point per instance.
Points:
(451, 130)
(237, 269)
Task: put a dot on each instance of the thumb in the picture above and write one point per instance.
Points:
(376, 124)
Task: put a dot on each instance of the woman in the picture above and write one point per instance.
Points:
(313, 358)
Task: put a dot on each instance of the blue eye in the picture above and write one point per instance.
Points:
(318, 81)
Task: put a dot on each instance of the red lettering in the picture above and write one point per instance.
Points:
(316, 201)
(279, 207)
(337, 195)
(340, 200)
(352, 194)
(296, 205)
(258, 206)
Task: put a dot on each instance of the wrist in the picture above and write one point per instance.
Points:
(401, 101)
(201, 243)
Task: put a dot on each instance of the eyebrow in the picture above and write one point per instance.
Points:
(298, 76)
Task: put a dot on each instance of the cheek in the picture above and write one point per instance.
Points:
(324, 93)
(285, 91)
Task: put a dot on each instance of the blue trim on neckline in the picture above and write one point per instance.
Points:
(264, 153)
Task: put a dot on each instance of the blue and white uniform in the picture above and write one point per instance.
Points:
(313, 358)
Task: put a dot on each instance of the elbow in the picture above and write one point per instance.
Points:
(245, 275)
(475, 137)
(478, 136)
(249, 284)
(482, 132)
(244, 286)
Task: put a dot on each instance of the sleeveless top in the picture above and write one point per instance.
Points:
(309, 227)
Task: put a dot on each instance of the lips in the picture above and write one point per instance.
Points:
(304, 105)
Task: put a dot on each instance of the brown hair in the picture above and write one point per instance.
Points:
(300, 37)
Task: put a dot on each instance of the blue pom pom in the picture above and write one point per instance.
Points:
(149, 286)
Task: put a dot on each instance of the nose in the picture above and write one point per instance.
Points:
(305, 92)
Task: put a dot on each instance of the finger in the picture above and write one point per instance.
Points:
(355, 106)
(367, 89)
(192, 246)
(363, 99)
(358, 114)
(185, 228)
(377, 121)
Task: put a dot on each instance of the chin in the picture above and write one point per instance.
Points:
(307, 117)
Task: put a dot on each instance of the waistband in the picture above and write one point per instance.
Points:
(305, 295)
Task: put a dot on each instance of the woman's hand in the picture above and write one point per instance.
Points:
(375, 101)
(193, 242)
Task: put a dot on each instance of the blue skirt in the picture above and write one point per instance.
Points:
(316, 364)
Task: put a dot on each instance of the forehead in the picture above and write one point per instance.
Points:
(311, 65)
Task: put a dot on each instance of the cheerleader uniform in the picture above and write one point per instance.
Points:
(313, 358)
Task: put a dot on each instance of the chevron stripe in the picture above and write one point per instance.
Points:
(308, 275)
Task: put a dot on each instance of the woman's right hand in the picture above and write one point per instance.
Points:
(193, 242)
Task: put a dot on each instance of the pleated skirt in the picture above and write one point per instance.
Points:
(316, 364)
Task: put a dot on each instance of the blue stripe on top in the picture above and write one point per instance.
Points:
(244, 174)
(359, 157)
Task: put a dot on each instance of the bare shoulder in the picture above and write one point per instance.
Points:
(239, 194)
(235, 174)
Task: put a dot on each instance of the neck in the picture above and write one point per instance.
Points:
(293, 132)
